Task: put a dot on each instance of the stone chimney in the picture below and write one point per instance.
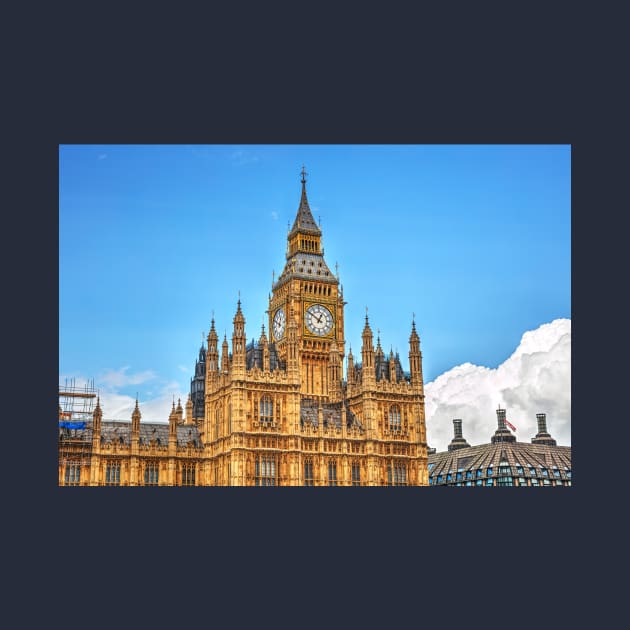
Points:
(543, 437)
(502, 434)
(458, 440)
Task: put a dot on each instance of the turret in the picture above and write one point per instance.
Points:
(264, 348)
(212, 356)
(415, 357)
(135, 420)
(180, 412)
(334, 373)
(238, 343)
(392, 367)
(172, 422)
(225, 359)
(379, 351)
(351, 375)
(367, 352)
(293, 367)
(97, 417)
(189, 411)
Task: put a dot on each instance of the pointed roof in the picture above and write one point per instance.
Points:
(136, 412)
(263, 336)
(304, 221)
(239, 317)
(366, 329)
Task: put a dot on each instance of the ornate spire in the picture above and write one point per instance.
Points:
(366, 329)
(135, 417)
(379, 350)
(304, 221)
(239, 319)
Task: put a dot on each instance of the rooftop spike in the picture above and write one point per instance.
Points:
(304, 221)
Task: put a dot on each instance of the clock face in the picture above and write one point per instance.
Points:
(319, 320)
(279, 322)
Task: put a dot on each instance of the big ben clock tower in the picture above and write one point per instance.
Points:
(308, 293)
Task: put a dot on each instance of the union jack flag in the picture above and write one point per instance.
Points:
(510, 425)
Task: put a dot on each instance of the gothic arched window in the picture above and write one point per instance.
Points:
(394, 418)
(188, 474)
(266, 471)
(266, 409)
(308, 472)
(397, 473)
(112, 472)
(332, 473)
(217, 422)
(151, 473)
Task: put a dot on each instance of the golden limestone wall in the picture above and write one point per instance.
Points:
(251, 433)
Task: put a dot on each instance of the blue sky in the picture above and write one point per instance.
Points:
(473, 239)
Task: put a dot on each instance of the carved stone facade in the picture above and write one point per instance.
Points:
(279, 411)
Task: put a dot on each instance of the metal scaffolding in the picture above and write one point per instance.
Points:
(76, 408)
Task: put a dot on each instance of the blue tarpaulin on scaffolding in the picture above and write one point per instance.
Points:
(72, 425)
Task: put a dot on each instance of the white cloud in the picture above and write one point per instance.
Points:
(102, 156)
(120, 378)
(118, 406)
(535, 379)
(155, 405)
